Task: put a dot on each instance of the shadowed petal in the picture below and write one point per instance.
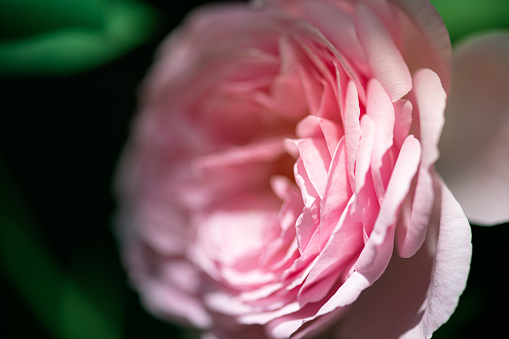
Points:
(421, 292)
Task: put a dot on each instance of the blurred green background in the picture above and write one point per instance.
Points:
(69, 73)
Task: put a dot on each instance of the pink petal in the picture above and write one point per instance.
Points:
(346, 294)
(379, 108)
(388, 15)
(392, 304)
(339, 28)
(337, 193)
(362, 163)
(352, 129)
(267, 150)
(332, 134)
(181, 49)
(429, 100)
(319, 83)
(337, 303)
(343, 245)
(286, 95)
(323, 58)
(155, 228)
(166, 302)
(308, 192)
(452, 264)
(316, 160)
(403, 121)
(313, 126)
(169, 289)
(306, 226)
(385, 59)
(427, 40)
(421, 292)
(373, 258)
(474, 145)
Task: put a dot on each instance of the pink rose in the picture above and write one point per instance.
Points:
(280, 180)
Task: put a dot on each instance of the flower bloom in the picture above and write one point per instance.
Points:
(280, 178)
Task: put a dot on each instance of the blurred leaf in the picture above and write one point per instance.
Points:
(81, 318)
(22, 18)
(32, 271)
(59, 301)
(71, 50)
(463, 17)
(93, 271)
(24, 258)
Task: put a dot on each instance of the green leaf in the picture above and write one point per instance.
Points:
(463, 17)
(23, 18)
(81, 318)
(92, 302)
(26, 261)
(69, 308)
(71, 50)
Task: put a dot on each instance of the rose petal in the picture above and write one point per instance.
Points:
(385, 60)
(337, 193)
(287, 94)
(342, 245)
(421, 297)
(178, 53)
(475, 157)
(392, 304)
(427, 40)
(313, 126)
(366, 206)
(339, 27)
(429, 100)
(316, 160)
(379, 108)
(452, 264)
(352, 130)
(266, 150)
(375, 256)
(165, 292)
(403, 121)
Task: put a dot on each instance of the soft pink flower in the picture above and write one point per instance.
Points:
(280, 180)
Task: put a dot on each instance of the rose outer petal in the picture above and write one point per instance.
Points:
(421, 292)
(426, 39)
(474, 159)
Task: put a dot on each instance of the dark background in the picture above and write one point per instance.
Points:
(60, 138)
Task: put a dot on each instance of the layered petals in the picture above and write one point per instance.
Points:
(421, 292)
